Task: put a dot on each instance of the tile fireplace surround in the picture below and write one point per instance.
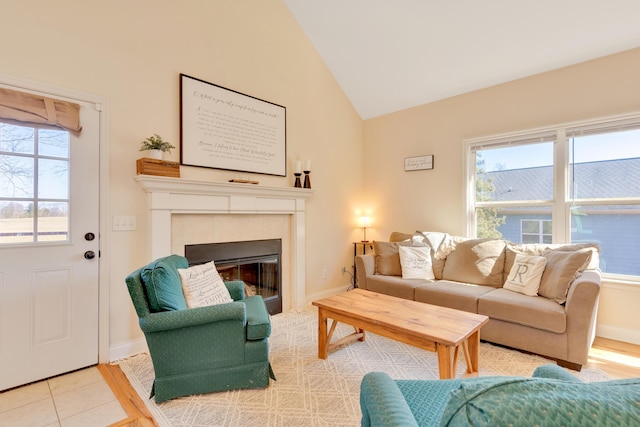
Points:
(176, 196)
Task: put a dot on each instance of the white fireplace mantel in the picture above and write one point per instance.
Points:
(168, 196)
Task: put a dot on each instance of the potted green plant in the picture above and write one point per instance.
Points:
(155, 145)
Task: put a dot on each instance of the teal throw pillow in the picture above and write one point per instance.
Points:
(162, 283)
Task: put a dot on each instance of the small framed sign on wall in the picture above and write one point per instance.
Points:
(418, 163)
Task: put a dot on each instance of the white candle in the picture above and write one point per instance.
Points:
(307, 165)
(298, 166)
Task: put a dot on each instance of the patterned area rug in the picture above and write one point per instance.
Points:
(314, 392)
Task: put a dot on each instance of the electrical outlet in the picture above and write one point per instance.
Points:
(325, 273)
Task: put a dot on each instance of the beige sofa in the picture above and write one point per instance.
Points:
(468, 274)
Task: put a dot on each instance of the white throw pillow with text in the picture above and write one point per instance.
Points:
(202, 286)
(416, 262)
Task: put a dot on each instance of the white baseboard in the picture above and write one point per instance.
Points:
(326, 293)
(128, 349)
(618, 334)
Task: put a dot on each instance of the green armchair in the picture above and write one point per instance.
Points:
(204, 349)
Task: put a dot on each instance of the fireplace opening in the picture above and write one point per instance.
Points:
(255, 262)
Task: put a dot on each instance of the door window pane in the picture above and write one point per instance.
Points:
(16, 139)
(16, 176)
(16, 222)
(52, 142)
(53, 221)
(34, 184)
(53, 179)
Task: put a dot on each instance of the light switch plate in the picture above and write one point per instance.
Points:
(124, 223)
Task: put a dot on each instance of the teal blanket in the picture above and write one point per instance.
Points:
(544, 402)
(553, 397)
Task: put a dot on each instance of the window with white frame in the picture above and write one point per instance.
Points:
(578, 182)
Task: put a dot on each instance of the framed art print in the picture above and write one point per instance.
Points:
(224, 129)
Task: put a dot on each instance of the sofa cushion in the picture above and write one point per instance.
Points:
(478, 261)
(387, 257)
(416, 262)
(162, 283)
(397, 236)
(395, 286)
(561, 270)
(526, 274)
(536, 312)
(461, 296)
(438, 267)
(203, 286)
(594, 248)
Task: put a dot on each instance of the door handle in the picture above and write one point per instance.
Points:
(89, 255)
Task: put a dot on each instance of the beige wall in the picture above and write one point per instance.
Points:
(433, 200)
(132, 51)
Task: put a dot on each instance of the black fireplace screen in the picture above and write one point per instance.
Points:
(255, 262)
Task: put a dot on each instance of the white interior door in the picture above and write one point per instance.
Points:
(49, 249)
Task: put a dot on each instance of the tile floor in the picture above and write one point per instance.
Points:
(81, 398)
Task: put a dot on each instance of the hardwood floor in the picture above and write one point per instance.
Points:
(618, 359)
(137, 413)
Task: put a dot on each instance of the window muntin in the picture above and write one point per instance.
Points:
(34, 184)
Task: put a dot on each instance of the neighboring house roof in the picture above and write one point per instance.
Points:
(607, 178)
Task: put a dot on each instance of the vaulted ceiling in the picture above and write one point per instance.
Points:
(389, 55)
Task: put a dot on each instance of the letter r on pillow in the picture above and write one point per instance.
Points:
(522, 270)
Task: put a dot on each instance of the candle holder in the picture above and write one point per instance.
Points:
(297, 184)
(307, 180)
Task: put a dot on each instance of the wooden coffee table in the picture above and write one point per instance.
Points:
(430, 327)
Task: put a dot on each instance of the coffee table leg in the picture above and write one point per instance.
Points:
(472, 352)
(445, 366)
(322, 334)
